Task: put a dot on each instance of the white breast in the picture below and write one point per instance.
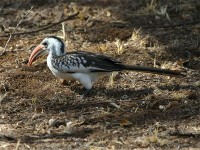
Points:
(57, 73)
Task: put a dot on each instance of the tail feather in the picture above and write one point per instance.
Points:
(151, 70)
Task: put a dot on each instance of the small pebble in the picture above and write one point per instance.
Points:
(124, 97)
(2, 70)
(161, 107)
(197, 83)
(18, 46)
(52, 122)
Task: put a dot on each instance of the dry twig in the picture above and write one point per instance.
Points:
(184, 134)
(44, 27)
(11, 34)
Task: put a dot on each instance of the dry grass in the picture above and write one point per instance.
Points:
(154, 8)
(120, 46)
(153, 137)
(150, 8)
(186, 6)
(180, 95)
(121, 115)
(137, 37)
(103, 47)
(111, 79)
(162, 13)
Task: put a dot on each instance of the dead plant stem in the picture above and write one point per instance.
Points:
(15, 30)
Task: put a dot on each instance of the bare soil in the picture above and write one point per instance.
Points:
(132, 110)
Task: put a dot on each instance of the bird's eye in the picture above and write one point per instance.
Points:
(45, 44)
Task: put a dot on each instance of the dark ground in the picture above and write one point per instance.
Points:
(131, 110)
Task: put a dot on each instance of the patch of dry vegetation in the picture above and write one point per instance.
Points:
(127, 111)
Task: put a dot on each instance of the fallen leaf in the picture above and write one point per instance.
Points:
(125, 123)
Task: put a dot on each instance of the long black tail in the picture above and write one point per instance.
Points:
(151, 70)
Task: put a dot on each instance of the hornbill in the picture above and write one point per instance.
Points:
(86, 67)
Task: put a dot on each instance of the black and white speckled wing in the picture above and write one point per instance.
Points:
(85, 62)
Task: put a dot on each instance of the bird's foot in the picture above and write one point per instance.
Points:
(86, 93)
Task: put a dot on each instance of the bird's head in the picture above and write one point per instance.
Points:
(50, 45)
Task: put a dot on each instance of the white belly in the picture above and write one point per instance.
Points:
(71, 76)
(65, 76)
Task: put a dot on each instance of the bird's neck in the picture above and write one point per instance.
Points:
(57, 51)
(56, 54)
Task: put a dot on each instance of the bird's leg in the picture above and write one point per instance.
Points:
(86, 93)
(85, 80)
